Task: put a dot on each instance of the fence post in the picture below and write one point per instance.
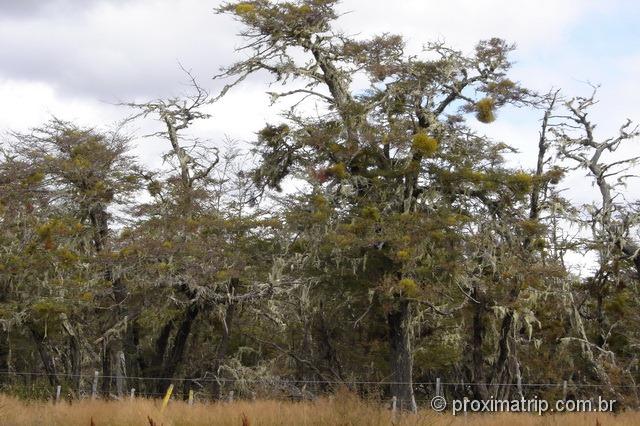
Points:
(58, 388)
(132, 395)
(94, 386)
(166, 398)
(564, 390)
(467, 387)
(438, 387)
(230, 396)
(519, 385)
(190, 396)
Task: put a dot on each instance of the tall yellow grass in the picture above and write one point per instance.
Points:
(341, 411)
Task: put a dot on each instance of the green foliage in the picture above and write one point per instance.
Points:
(619, 304)
(45, 314)
(371, 213)
(440, 354)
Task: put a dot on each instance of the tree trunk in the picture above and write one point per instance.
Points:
(330, 354)
(46, 357)
(152, 366)
(502, 372)
(75, 359)
(633, 252)
(477, 357)
(113, 370)
(5, 345)
(401, 357)
(113, 345)
(120, 372)
(106, 370)
(223, 346)
(75, 354)
(132, 355)
(4, 355)
(179, 345)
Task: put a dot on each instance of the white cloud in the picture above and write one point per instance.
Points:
(462, 23)
(117, 50)
(28, 104)
(66, 57)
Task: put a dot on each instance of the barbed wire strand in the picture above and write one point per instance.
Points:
(303, 381)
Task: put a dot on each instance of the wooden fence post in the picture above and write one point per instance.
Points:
(190, 396)
(166, 398)
(58, 388)
(132, 395)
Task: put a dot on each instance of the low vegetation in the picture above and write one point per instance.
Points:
(346, 411)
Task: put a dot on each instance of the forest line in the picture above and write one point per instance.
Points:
(410, 250)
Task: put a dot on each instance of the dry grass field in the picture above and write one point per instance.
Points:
(343, 410)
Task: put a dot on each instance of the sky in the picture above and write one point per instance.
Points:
(77, 59)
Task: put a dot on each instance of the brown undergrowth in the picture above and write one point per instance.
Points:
(342, 410)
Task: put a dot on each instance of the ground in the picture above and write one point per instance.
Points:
(343, 410)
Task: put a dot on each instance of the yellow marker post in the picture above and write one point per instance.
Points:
(166, 398)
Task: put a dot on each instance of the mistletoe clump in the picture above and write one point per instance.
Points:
(424, 144)
(338, 170)
(409, 287)
(244, 9)
(485, 110)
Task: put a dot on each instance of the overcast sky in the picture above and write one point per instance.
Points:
(76, 58)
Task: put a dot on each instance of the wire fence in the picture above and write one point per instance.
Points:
(83, 386)
(307, 381)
